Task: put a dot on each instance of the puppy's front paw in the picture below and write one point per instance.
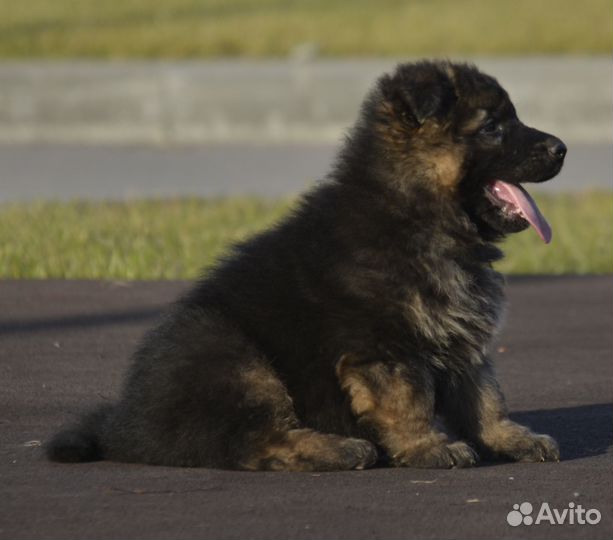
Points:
(530, 447)
(441, 456)
(537, 447)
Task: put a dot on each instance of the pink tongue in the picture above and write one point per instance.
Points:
(518, 196)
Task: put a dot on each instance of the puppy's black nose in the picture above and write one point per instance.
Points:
(556, 148)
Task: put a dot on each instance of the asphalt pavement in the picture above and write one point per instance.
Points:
(65, 344)
(68, 171)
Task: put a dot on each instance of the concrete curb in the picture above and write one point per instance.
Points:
(299, 100)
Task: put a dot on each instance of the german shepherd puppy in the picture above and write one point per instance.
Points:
(337, 337)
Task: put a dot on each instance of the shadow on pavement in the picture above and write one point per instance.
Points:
(583, 431)
(78, 321)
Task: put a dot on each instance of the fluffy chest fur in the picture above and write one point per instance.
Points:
(441, 299)
(458, 321)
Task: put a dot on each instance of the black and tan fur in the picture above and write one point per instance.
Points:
(350, 330)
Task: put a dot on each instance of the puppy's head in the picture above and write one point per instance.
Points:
(454, 130)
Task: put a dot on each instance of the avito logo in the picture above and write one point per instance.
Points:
(573, 514)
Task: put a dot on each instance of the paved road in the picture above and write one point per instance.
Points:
(98, 172)
(64, 345)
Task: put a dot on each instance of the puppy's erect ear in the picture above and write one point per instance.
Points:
(421, 91)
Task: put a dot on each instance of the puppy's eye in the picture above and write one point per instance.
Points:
(491, 128)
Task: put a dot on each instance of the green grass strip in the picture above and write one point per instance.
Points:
(177, 239)
(262, 28)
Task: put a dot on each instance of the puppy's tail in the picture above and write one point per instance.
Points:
(81, 442)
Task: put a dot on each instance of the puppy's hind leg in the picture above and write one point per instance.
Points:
(309, 450)
(282, 445)
(200, 394)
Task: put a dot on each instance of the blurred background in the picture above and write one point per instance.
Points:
(139, 137)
